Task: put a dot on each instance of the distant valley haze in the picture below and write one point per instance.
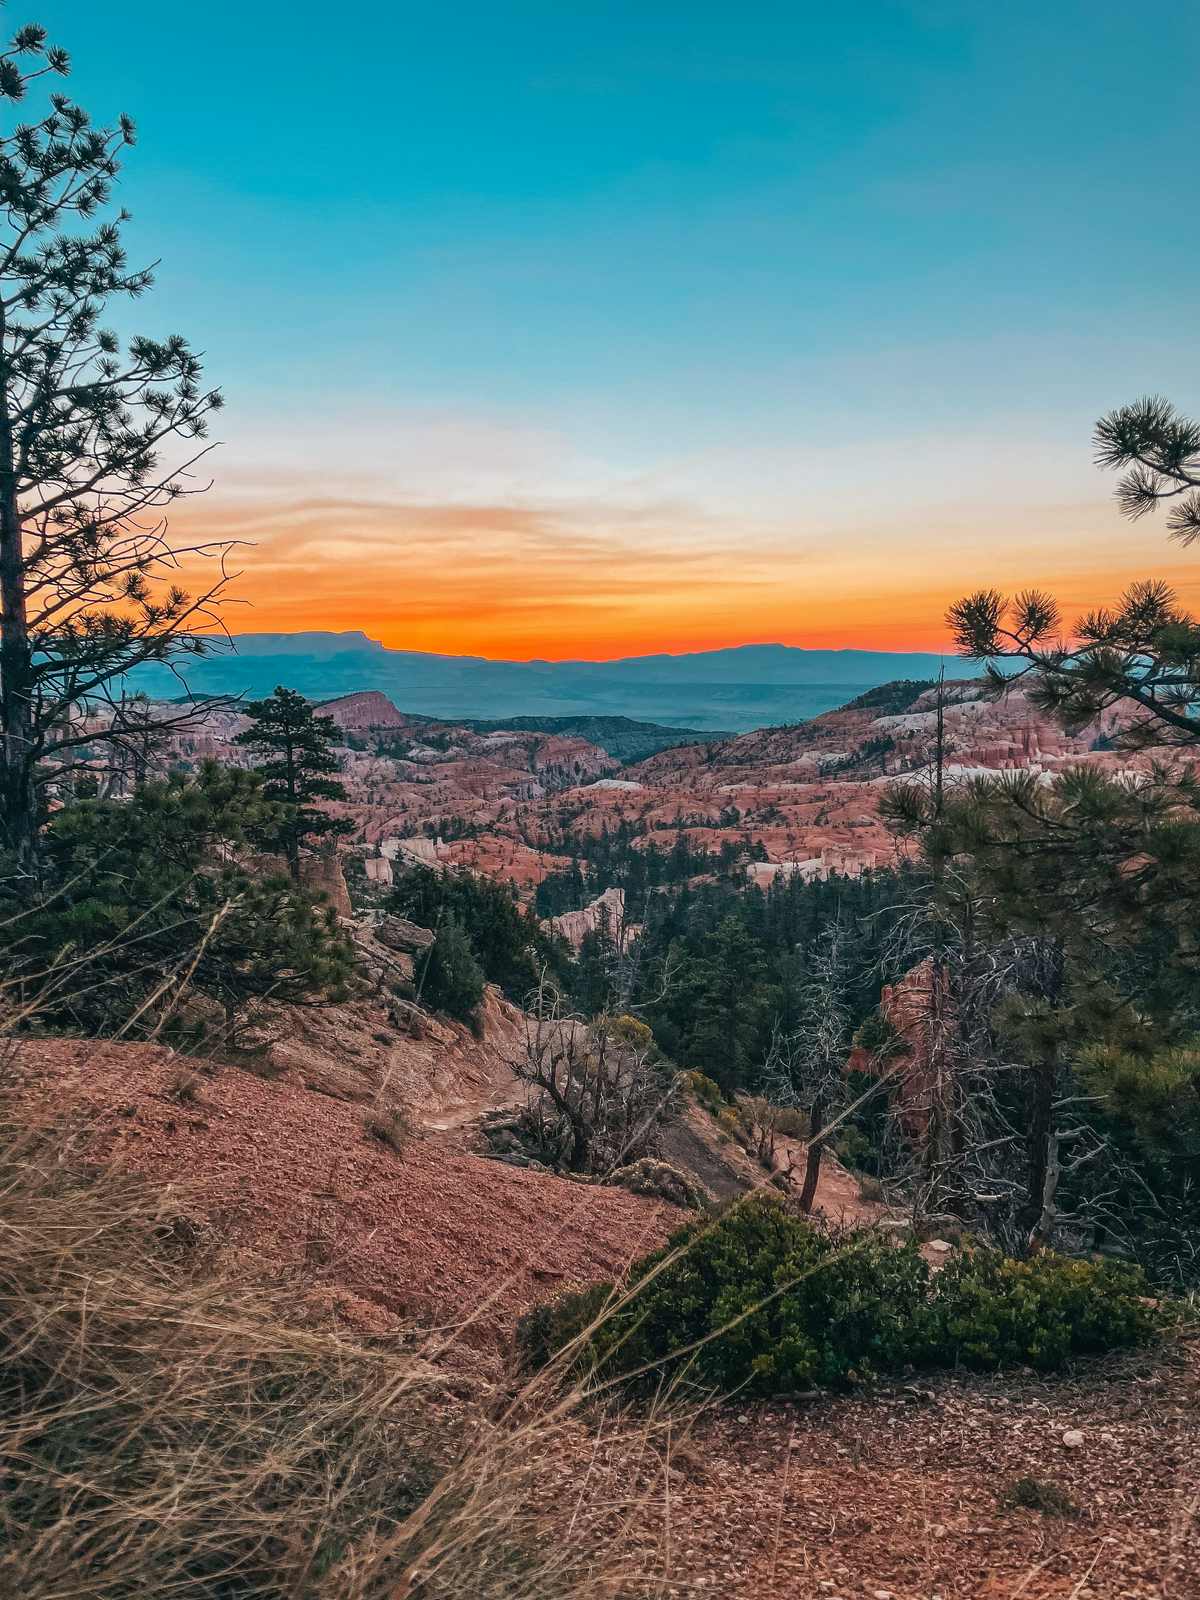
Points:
(731, 689)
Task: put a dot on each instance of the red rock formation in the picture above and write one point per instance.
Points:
(805, 794)
(365, 712)
(919, 1008)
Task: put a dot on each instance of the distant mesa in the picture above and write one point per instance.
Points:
(364, 713)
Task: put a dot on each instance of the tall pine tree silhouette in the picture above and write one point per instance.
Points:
(97, 437)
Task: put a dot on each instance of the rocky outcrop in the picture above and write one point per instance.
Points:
(918, 1008)
(323, 875)
(398, 933)
(801, 799)
(607, 910)
(365, 712)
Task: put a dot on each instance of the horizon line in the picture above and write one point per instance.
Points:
(592, 661)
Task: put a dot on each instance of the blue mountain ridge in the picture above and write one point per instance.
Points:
(740, 687)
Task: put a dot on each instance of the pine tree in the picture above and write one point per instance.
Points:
(300, 758)
(1159, 452)
(1142, 654)
(449, 978)
(594, 983)
(144, 902)
(87, 565)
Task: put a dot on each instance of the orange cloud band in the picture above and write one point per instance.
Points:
(595, 581)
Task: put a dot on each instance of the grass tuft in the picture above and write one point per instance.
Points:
(392, 1127)
(1038, 1494)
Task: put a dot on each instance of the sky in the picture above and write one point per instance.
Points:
(568, 329)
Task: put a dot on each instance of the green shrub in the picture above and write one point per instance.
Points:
(994, 1311)
(852, 1147)
(548, 1328)
(761, 1299)
(880, 1038)
(705, 1092)
(799, 1307)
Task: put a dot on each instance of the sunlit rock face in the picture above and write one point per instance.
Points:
(607, 911)
(364, 712)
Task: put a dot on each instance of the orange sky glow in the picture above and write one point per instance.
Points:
(520, 581)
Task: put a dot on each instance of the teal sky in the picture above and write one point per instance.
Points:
(817, 280)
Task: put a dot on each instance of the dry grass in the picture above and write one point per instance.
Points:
(185, 1085)
(170, 1428)
(391, 1126)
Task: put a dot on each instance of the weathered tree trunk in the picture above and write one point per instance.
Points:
(1042, 1236)
(1040, 1146)
(292, 837)
(1042, 1143)
(812, 1158)
(16, 672)
(939, 1138)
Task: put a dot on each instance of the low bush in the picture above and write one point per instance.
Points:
(763, 1300)
(760, 1299)
(1037, 1494)
(994, 1311)
(705, 1092)
(792, 1123)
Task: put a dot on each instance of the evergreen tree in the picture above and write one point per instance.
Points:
(1158, 451)
(1086, 896)
(449, 978)
(144, 901)
(731, 1004)
(1143, 655)
(1097, 874)
(509, 945)
(86, 560)
(594, 985)
(300, 758)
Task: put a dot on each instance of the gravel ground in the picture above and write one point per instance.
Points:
(902, 1494)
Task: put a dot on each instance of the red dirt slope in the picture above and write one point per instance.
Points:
(294, 1174)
